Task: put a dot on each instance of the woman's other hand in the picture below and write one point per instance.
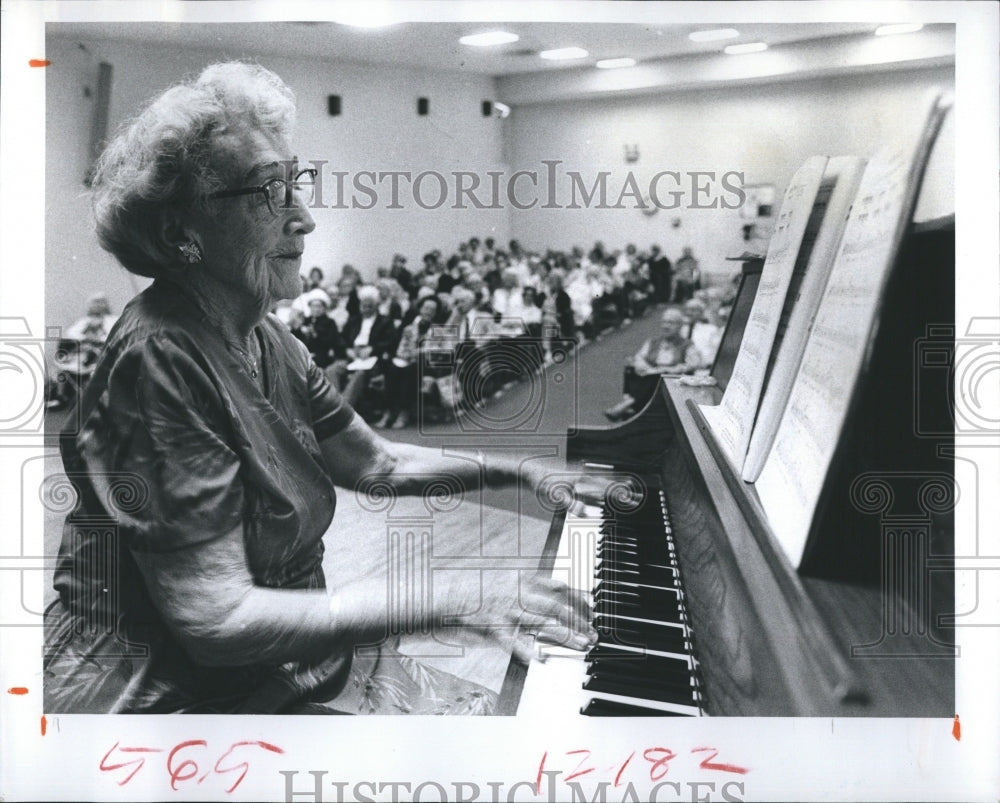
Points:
(546, 608)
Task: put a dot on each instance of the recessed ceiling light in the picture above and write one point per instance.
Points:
(714, 35)
(562, 53)
(613, 64)
(489, 38)
(746, 47)
(902, 27)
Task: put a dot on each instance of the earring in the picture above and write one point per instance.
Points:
(191, 252)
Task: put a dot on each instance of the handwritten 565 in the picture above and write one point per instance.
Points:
(185, 761)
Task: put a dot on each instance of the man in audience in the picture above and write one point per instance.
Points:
(399, 272)
(687, 276)
(660, 274)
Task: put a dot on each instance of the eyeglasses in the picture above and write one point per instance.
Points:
(279, 192)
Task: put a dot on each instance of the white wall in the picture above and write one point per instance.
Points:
(765, 131)
(378, 130)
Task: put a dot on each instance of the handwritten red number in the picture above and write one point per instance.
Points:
(242, 765)
(708, 764)
(618, 777)
(139, 761)
(538, 778)
(177, 773)
(659, 765)
(578, 772)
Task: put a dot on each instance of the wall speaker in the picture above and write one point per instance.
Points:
(423, 106)
(333, 105)
(487, 108)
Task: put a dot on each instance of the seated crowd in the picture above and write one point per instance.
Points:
(459, 328)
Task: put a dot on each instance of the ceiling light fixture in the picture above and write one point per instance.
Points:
(614, 64)
(714, 35)
(901, 27)
(489, 39)
(746, 47)
(564, 53)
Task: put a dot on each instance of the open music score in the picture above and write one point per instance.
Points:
(792, 477)
(733, 419)
(805, 292)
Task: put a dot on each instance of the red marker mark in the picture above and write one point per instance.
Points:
(708, 764)
(44, 723)
(38, 62)
(538, 778)
(956, 729)
(17, 690)
(618, 777)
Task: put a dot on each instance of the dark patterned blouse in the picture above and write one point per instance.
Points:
(175, 445)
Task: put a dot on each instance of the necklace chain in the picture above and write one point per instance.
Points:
(249, 360)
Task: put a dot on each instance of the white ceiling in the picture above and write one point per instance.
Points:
(435, 46)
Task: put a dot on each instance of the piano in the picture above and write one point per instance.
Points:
(698, 610)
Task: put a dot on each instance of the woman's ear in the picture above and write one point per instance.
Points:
(179, 242)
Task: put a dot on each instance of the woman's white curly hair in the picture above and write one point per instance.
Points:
(163, 161)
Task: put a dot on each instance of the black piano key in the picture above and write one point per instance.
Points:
(615, 686)
(671, 672)
(663, 639)
(652, 599)
(622, 607)
(606, 708)
(672, 690)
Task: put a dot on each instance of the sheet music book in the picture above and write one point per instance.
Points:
(733, 419)
(792, 479)
(822, 239)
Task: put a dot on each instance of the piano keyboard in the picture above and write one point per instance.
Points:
(643, 663)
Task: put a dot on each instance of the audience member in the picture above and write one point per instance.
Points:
(669, 353)
(79, 348)
(388, 306)
(321, 336)
(687, 276)
(704, 335)
(660, 274)
(371, 343)
(403, 373)
(314, 280)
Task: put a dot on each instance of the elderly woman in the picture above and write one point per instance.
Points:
(201, 587)
(319, 333)
(668, 353)
(404, 375)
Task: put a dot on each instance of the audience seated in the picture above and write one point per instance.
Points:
(321, 336)
(500, 309)
(668, 353)
(407, 369)
(314, 280)
(371, 344)
(79, 348)
(557, 307)
(388, 303)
